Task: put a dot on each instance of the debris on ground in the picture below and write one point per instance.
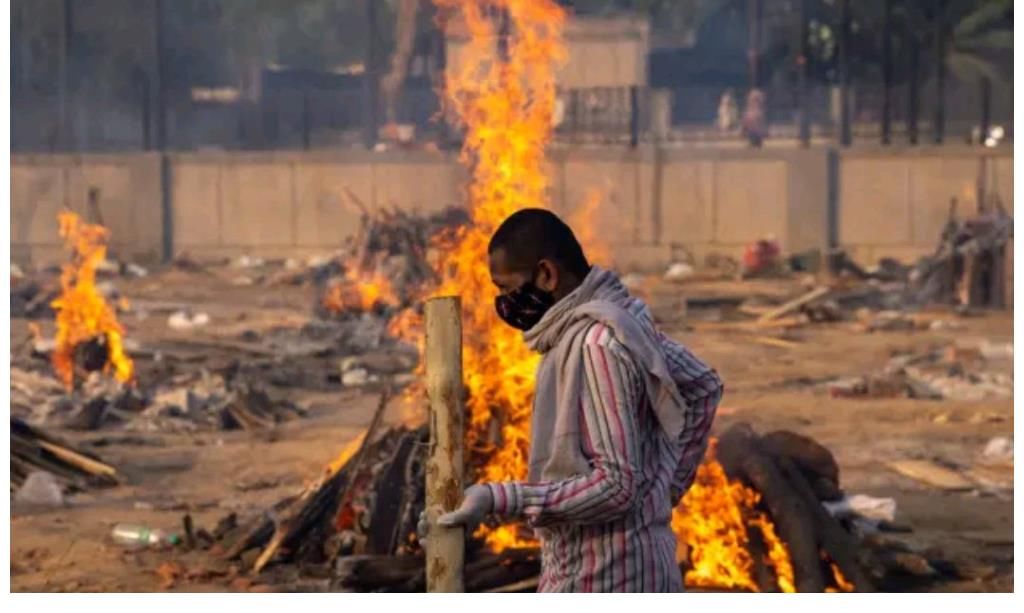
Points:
(679, 271)
(952, 372)
(999, 449)
(185, 320)
(932, 474)
(39, 490)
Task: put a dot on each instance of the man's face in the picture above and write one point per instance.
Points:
(502, 275)
(507, 279)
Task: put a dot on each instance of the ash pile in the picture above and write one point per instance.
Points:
(354, 528)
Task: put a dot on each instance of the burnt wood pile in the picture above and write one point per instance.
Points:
(391, 246)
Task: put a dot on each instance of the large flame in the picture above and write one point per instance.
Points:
(501, 87)
(82, 312)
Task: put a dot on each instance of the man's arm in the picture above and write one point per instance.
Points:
(608, 434)
(702, 392)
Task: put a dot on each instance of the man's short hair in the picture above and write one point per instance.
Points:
(531, 235)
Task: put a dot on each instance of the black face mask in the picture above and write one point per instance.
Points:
(524, 306)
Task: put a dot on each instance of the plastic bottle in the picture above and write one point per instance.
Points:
(133, 535)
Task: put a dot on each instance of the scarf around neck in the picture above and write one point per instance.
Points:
(555, 447)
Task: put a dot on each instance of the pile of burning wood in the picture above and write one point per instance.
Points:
(355, 526)
(384, 266)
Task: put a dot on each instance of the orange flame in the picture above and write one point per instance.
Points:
(359, 292)
(840, 580)
(82, 313)
(505, 102)
(711, 524)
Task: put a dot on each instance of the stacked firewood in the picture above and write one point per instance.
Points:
(357, 524)
(793, 475)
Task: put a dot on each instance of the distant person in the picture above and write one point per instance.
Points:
(620, 423)
(728, 111)
(754, 119)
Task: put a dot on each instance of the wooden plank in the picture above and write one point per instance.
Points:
(794, 304)
(518, 586)
(771, 341)
(931, 474)
(78, 460)
(787, 322)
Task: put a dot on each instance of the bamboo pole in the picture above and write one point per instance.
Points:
(445, 547)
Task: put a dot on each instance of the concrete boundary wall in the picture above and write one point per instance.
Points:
(893, 202)
(128, 197)
(656, 205)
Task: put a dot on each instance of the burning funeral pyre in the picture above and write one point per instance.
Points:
(89, 336)
(746, 524)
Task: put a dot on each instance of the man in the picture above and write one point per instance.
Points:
(620, 418)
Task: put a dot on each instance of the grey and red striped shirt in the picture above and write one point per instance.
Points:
(609, 531)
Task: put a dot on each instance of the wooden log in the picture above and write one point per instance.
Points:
(256, 533)
(287, 524)
(445, 547)
(792, 305)
(79, 461)
(772, 341)
(834, 540)
(763, 574)
(526, 585)
(35, 449)
(794, 321)
(413, 489)
(811, 456)
(356, 462)
(501, 574)
(742, 458)
(387, 507)
(376, 571)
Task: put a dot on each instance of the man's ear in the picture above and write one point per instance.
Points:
(547, 275)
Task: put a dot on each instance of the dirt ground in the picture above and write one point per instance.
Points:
(771, 387)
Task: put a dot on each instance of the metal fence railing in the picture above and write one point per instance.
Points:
(297, 119)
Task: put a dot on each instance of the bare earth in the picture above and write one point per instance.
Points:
(771, 387)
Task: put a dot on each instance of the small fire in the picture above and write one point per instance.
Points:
(840, 580)
(359, 292)
(82, 312)
(712, 523)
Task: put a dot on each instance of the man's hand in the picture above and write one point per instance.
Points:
(476, 503)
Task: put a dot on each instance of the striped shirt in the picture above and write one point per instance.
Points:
(609, 531)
